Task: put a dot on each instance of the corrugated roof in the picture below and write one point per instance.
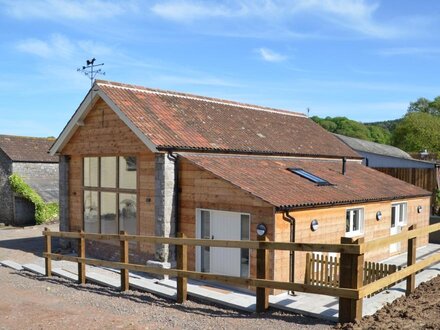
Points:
(373, 147)
(269, 179)
(189, 122)
(27, 149)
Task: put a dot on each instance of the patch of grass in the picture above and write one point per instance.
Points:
(44, 212)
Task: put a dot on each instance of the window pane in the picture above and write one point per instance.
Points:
(244, 257)
(205, 232)
(109, 223)
(356, 219)
(127, 172)
(127, 213)
(347, 222)
(91, 171)
(108, 172)
(91, 224)
(205, 225)
(393, 216)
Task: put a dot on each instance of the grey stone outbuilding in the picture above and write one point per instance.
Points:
(29, 158)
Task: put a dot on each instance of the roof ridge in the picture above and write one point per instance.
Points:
(198, 98)
(27, 137)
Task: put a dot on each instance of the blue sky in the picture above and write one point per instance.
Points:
(365, 60)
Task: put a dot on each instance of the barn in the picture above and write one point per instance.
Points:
(28, 157)
(155, 162)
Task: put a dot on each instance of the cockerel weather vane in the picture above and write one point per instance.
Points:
(91, 70)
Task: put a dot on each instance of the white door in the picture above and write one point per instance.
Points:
(395, 228)
(225, 225)
(222, 226)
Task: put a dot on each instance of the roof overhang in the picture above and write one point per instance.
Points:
(80, 114)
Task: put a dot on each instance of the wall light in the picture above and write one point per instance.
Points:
(314, 225)
(378, 215)
(419, 209)
(261, 229)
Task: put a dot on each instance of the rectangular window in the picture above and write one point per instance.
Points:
(309, 176)
(244, 266)
(110, 194)
(354, 222)
(127, 213)
(205, 233)
(398, 214)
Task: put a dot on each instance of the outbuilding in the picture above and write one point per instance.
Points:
(29, 158)
(154, 162)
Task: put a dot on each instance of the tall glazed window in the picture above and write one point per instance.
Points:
(110, 194)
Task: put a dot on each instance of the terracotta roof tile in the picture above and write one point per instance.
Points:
(269, 179)
(187, 122)
(27, 149)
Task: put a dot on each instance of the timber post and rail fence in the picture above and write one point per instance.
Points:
(351, 287)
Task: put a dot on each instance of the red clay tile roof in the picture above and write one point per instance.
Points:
(269, 179)
(187, 122)
(27, 149)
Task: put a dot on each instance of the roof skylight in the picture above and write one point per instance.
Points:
(309, 176)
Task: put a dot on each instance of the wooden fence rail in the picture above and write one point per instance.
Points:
(350, 266)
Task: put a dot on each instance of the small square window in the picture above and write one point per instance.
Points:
(354, 222)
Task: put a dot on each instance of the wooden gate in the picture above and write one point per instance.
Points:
(323, 270)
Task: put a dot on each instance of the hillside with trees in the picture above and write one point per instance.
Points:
(417, 130)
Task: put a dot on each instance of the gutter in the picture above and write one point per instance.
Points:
(247, 152)
(287, 217)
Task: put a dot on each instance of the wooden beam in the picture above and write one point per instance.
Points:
(286, 246)
(125, 285)
(399, 275)
(288, 286)
(182, 264)
(48, 249)
(262, 293)
(81, 257)
(386, 241)
(351, 276)
(411, 260)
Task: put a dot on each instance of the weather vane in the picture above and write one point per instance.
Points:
(90, 70)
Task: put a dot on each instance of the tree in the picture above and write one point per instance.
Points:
(418, 131)
(348, 127)
(425, 106)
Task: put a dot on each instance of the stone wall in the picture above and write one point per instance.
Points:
(42, 177)
(6, 196)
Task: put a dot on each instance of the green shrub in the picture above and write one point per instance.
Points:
(43, 211)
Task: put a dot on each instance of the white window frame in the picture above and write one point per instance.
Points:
(360, 231)
(402, 221)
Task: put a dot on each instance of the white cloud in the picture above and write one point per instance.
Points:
(182, 11)
(270, 56)
(353, 15)
(409, 51)
(66, 9)
(59, 47)
(197, 80)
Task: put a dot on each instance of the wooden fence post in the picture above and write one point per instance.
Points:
(262, 293)
(351, 276)
(125, 285)
(48, 248)
(81, 254)
(411, 260)
(182, 264)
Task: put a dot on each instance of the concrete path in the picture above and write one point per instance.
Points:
(309, 304)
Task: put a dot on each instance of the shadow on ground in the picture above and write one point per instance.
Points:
(33, 245)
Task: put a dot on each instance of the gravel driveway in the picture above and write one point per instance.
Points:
(29, 301)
